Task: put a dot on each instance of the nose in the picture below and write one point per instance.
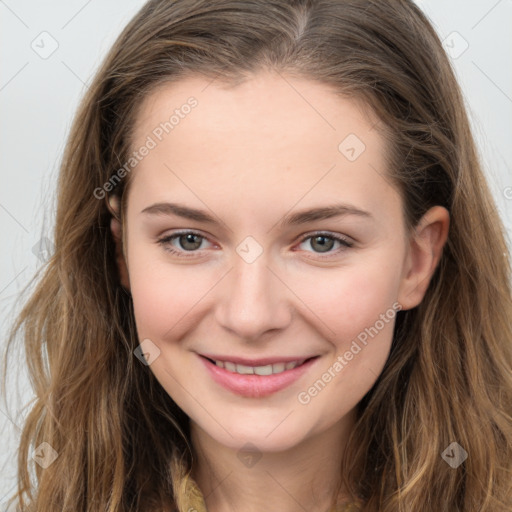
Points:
(253, 300)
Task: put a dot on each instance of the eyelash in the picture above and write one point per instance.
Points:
(165, 242)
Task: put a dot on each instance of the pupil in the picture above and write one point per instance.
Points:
(326, 243)
(190, 239)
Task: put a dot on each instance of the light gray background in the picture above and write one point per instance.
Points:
(39, 95)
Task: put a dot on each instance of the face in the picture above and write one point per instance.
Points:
(262, 232)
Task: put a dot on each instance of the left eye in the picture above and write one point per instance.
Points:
(324, 242)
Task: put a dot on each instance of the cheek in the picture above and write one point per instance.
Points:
(359, 307)
(349, 299)
(164, 295)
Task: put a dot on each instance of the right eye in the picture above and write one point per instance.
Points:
(182, 242)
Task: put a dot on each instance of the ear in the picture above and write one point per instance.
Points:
(115, 228)
(424, 252)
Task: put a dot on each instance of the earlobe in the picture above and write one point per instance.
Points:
(425, 251)
(115, 228)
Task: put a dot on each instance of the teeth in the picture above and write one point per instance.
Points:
(278, 368)
(244, 370)
(229, 366)
(263, 370)
(269, 369)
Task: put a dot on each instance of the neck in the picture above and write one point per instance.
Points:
(305, 477)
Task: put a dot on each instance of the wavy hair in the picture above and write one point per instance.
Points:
(122, 443)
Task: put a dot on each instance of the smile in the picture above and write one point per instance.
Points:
(269, 369)
(258, 379)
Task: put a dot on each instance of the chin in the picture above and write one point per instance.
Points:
(262, 437)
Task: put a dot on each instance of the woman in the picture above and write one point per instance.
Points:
(279, 278)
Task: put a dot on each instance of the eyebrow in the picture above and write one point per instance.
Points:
(297, 218)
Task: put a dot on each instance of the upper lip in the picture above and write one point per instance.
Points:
(256, 362)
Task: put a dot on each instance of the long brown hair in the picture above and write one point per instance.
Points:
(122, 443)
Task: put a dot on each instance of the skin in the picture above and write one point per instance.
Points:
(249, 156)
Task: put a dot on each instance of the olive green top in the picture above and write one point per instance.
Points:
(196, 501)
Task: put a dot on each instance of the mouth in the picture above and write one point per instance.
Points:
(258, 369)
(258, 379)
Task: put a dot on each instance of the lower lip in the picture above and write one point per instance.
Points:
(255, 386)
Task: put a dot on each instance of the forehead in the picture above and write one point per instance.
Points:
(283, 137)
(265, 104)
